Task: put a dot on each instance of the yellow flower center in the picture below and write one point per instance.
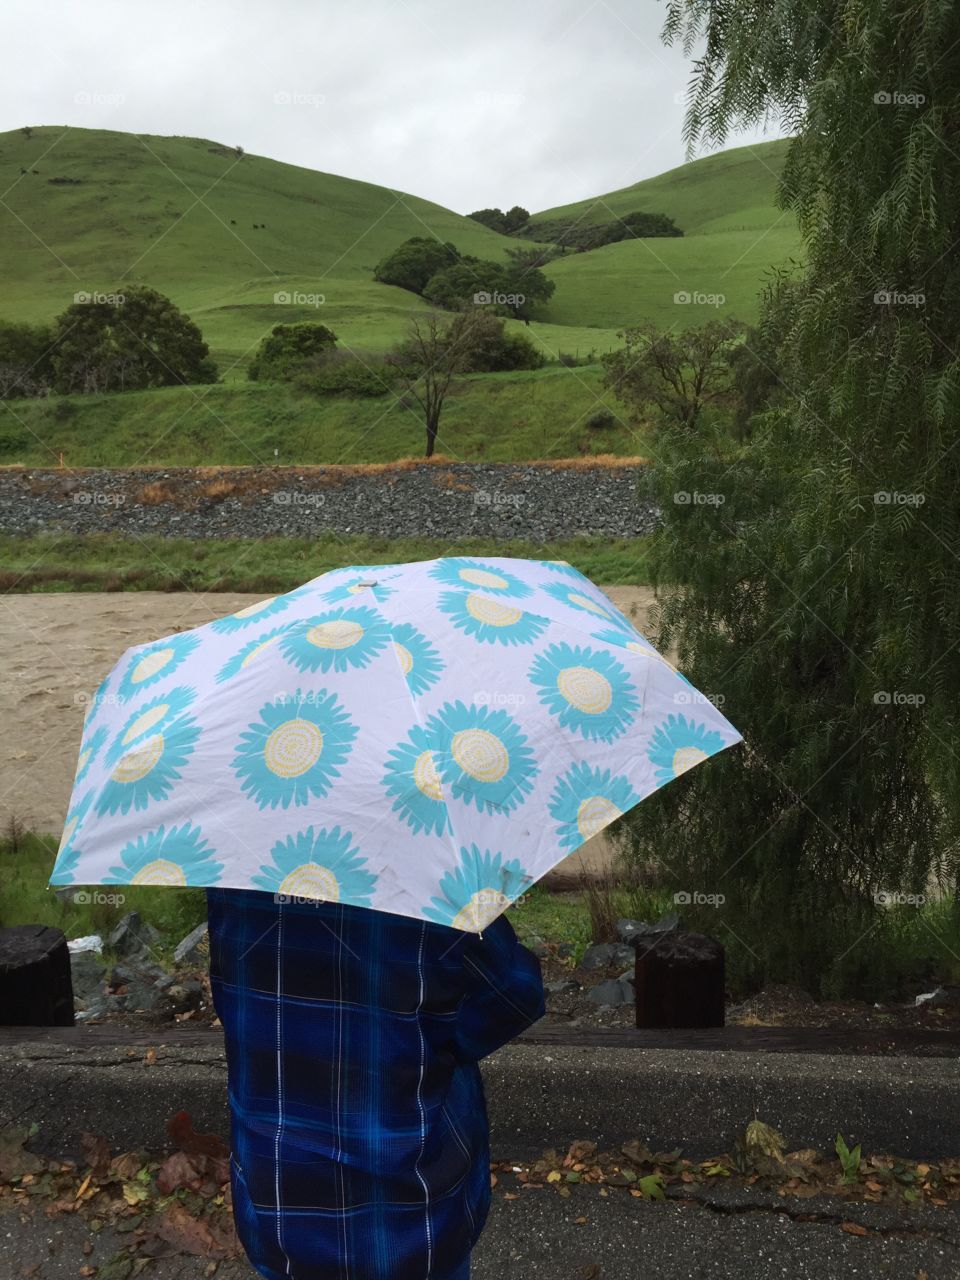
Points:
(685, 758)
(586, 603)
(595, 813)
(311, 881)
(483, 907)
(481, 754)
(339, 634)
(492, 612)
(425, 776)
(146, 721)
(585, 689)
(150, 665)
(293, 748)
(482, 578)
(252, 610)
(404, 656)
(136, 764)
(161, 871)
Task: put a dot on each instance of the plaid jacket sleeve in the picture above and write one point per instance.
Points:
(503, 991)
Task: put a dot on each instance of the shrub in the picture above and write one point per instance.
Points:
(340, 373)
(287, 349)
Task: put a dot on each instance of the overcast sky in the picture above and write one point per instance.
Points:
(470, 104)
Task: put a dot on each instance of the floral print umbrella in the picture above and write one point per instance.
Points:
(427, 739)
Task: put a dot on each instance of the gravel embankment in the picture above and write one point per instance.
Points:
(461, 500)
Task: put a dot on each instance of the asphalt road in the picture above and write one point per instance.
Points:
(540, 1236)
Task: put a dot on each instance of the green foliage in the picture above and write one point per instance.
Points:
(819, 598)
(413, 263)
(512, 289)
(849, 1160)
(288, 349)
(506, 223)
(581, 236)
(342, 373)
(26, 365)
(680, 372)
(127, 341)
(495, 349)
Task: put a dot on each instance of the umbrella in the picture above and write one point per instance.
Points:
(427, 739)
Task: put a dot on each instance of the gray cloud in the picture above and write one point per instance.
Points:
(497, 103)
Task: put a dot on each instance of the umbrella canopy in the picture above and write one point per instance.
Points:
(427, 739)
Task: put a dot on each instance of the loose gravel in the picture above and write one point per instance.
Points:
(497, 502)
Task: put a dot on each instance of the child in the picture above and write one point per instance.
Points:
(358, 1123)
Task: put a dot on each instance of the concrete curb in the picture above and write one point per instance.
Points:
(537, 1096)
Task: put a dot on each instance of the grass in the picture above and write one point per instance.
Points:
(504, 417)
(25, 866)
(107, 562)
(131, 214)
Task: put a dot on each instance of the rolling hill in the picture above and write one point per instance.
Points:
(223, 234)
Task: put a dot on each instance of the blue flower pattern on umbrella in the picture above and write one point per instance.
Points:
(586, 800)
(481, 887)
(318, 864)
(295, 751)
(587, 690)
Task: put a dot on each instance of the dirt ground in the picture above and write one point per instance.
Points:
(56, 648)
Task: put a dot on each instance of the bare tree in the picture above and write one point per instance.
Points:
(427, 361)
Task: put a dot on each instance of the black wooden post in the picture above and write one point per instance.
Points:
(679, 981)
(35, 985)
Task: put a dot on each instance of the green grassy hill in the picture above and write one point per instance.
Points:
(222, 235)
(733, 235)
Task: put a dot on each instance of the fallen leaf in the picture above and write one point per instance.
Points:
(188, 1234)
(83, 1186)
(853, 1229)
(150, 1057)
(178, 1171)
(182, 1134)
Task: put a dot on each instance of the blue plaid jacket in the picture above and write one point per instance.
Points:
(359, 1130)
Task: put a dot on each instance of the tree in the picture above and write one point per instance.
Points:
(492, 348)
(679, 372)
(288, 350)
(127, 341)
(413, 263)
(433, 354)
(26, 359)
(506, 223)
(821, 599)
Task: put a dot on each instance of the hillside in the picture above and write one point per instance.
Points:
(223, 234)
(733, 235)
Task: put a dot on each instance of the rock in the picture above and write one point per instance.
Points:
(604, 953)
(100, 1007)
(121, 975)
(939, 998)
(87, 973)
(132, 935)
(612, 992)
(598, 956)
(184, 996)
(144, 997)
(627, 930)
(194, 949)
(565, 986)
(565, 950)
